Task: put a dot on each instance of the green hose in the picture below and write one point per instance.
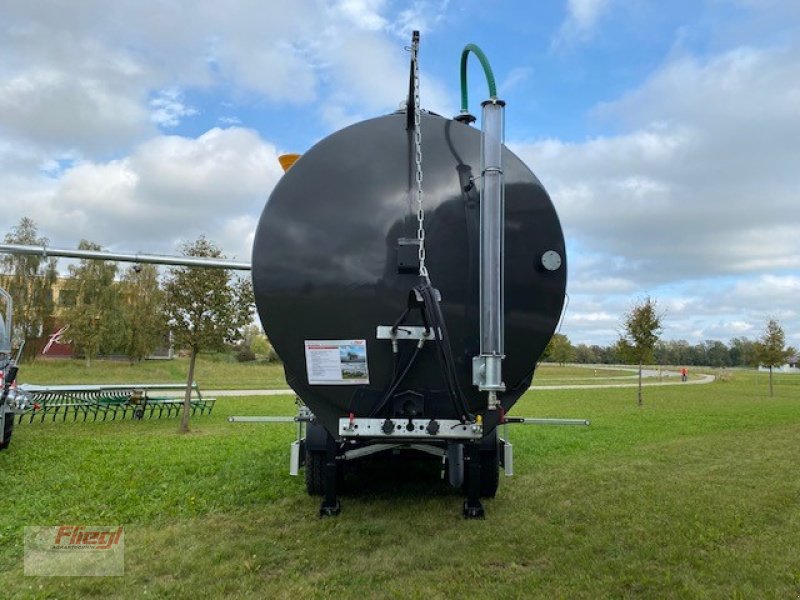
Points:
(487, 69)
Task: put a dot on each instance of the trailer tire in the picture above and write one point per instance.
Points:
(315, 472)
(8, 429)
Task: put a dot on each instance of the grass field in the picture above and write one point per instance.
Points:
(210, 372)
(695, 494)
(213, 373)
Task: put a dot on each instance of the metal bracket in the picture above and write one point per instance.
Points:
(480, 375)
(405, 332)
(409, 429)
(376, 448)
(507, 457)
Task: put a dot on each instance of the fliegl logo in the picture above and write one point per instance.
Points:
(80, 537)
(75, 550)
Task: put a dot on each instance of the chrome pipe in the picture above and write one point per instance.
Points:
(153, 259)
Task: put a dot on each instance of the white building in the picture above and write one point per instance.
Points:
(792, 366)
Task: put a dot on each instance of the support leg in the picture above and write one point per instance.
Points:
(330, 504)
(473, 509)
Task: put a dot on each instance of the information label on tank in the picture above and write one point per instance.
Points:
(336, 362)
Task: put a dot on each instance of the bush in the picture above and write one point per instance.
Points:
(245, 354)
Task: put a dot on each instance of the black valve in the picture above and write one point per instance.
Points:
(433, 427)
(388, 426)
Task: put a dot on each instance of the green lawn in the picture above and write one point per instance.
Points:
(211, 372)
(214, 373)
(696, 494)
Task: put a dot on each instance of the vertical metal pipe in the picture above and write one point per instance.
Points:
(7, 325)
(491, 244)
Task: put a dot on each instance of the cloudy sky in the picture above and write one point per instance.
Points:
(667, 133)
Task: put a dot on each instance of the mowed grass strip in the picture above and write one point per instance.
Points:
(695, 494)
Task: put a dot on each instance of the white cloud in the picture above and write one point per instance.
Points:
(579, 24)
(364, 14)
(701, 186)
(422, 15)
(705, 183)
(372, 76)
(169, 189)
(61, 112)
(93, 80)
(515, 77)
(168, 108)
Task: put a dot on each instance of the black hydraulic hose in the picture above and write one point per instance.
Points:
(397, 381)
(400, 320)
(433, 310)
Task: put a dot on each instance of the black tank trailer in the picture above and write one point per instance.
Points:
(338, 289)
(409, 270)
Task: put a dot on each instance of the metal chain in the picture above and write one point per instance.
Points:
(423, 270)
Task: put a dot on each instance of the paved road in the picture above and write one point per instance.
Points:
(593, 386)
(672, 377)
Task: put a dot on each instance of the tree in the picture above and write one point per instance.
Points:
(717, 353)
(642, 328)
(771, 350)
(204, 308)
(559, 349)
(585, 354)
(96, 324)
(742, 352)
(253, 337)
(142, 311)
(29, 280)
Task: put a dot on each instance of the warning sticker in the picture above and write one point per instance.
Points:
(336, 362)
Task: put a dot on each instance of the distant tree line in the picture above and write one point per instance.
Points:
(738, 352)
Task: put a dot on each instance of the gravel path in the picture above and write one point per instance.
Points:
(672, 376)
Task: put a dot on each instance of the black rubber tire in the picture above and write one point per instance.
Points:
(315, 473)
(9, 428)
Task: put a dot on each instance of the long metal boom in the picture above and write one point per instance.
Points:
(154, 259)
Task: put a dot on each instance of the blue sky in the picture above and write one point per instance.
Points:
(666, 133)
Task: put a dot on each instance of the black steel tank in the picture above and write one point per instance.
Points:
(328, 262)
